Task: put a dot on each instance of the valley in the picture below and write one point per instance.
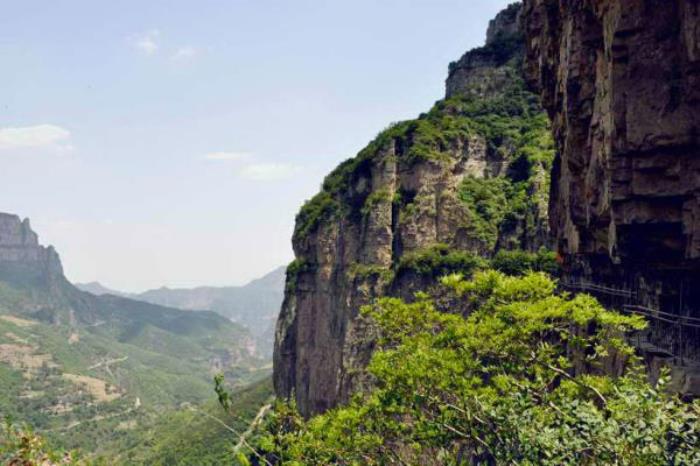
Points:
(92, 372)
(254, 305)
(508, 277)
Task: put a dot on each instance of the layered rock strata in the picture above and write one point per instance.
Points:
(22, 258)
(621, 83)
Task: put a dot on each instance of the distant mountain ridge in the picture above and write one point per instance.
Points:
(33, 275)
(32, 285)
(98, 289)
(254, 305)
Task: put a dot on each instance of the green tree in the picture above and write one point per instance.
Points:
(516, 374)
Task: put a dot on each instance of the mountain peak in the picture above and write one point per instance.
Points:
(16, 232)
(19, 247)
(506, 25)
(427, 197)
(485, 71)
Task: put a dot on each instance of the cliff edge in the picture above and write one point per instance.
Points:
(430, 196)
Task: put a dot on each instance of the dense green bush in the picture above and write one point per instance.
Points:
(487, 202)
(520, 262)
(439, 260)
(519, 380)
(294, 268)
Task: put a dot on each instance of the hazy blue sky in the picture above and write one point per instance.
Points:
(172, 142)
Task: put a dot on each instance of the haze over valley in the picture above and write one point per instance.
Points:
(254, 305)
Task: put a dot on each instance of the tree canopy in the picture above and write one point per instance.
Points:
(513, 373)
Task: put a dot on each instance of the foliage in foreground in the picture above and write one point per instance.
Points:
(514, 375)
(19, 446)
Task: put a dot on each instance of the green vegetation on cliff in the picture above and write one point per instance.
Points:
(440, 260)
(294, 268)
(517, 262)
(488, 203)
(513, 375)
(512, 126)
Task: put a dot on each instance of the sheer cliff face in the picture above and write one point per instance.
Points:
(481, 72)
(21, 255)
(31, 277)
(470, 175)
(621, 82)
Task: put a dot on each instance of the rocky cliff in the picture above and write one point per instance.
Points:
(430, 196)
(30, 267)
(481, 72)
(621, 83)
(20, 248)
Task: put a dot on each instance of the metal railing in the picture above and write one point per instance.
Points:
(674, 319)
(674, 335)
(608, 290)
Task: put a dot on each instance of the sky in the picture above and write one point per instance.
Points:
(171, 142)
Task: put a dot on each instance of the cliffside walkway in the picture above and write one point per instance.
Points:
(670, 335)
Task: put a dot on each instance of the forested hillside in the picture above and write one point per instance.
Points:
(254, 305)
(81, 369)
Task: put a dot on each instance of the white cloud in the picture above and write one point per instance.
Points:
(227, 155)
(147, 42)
(184, 54)
(258, 171)
(268, 171)
(34, 137)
